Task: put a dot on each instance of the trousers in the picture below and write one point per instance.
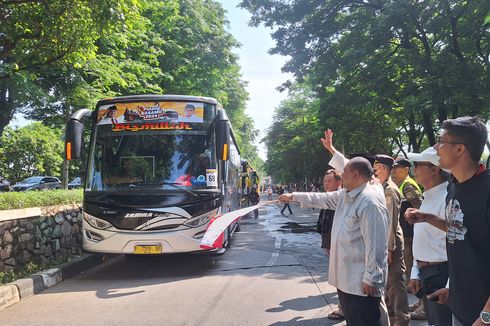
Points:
(359, 310)
(396, 290)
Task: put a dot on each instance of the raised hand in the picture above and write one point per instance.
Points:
(327, 142)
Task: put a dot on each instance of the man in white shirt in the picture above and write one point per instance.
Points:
(430, 268)
(358, 265)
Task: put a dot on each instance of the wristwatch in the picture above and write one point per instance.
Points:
(485, 317)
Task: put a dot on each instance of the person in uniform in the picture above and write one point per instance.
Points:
(396, 290)
(411, 196)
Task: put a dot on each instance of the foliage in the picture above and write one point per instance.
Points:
(14, 200)
(387, 73)
(174, 47)
(294, 151)
(31, 150)
(29, 269)
(36, 35)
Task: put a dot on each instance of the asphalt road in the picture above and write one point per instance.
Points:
(275, 273)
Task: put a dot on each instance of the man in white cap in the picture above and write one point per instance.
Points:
(467, 222)
(430, 270)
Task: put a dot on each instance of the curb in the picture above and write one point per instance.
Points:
(24, 288)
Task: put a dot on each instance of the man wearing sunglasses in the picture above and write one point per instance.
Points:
(467, 222)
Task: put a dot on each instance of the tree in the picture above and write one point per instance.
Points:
(411, 64)
(38, 34)
(31, 150)
(294, 152)
(174, 46)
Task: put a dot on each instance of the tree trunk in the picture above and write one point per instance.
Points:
(428, 128)
(6, 105)
(412, 134)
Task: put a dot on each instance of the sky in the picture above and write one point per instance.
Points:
(261, 70)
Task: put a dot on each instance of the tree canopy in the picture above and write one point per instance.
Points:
(60, 56)
(386, 72)
(31, 150)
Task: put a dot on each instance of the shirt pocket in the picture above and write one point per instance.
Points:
(351, 222)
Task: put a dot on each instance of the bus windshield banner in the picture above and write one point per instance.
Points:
(163, 115)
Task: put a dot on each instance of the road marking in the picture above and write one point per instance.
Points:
(275, 254)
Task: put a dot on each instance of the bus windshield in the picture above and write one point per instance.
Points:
(161, 154)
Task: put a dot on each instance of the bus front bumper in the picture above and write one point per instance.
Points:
(125, 242)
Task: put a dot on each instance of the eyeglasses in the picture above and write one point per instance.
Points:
(440, 141)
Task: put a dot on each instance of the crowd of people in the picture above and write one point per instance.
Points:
(386, 233)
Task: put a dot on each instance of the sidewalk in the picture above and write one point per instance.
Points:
(305, 221)
(24, 288)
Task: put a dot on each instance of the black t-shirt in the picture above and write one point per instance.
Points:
(468, 245)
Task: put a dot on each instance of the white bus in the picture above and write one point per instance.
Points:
(158, 169)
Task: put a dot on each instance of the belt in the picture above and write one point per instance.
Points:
(424, 264)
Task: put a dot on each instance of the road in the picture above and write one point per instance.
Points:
(275, 273)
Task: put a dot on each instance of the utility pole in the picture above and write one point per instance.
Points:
(66, 163)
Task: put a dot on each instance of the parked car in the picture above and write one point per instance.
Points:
(38, 183)
(4, 184)
(75, 183)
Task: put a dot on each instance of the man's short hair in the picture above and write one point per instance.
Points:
(471, 131)
(336, 174)
(189, 107)
(361, 165)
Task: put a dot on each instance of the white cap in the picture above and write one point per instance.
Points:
(429, 155)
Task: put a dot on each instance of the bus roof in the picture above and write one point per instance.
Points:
(152, 97)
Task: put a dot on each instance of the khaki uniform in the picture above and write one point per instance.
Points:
(396, 291)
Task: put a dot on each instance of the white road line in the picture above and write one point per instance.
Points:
(275, 254)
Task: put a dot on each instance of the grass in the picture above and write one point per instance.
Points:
(14, 200)
(31, 268)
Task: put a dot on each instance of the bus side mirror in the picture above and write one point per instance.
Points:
(223, 140)
(73, 139)
(74, 132)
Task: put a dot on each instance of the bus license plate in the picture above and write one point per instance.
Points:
(148, 250)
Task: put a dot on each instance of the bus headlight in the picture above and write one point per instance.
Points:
(201, 219)
(96, 222)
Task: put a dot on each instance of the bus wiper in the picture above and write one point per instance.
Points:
(173, 184)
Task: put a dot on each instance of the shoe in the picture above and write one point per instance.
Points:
(418, 314)
(414, 306)
(336, 315)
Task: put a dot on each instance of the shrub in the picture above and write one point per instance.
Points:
(13, 200)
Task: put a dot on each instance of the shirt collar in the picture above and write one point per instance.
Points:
(356, 191)
(436, 189)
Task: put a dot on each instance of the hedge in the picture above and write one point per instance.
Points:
(14, 200)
